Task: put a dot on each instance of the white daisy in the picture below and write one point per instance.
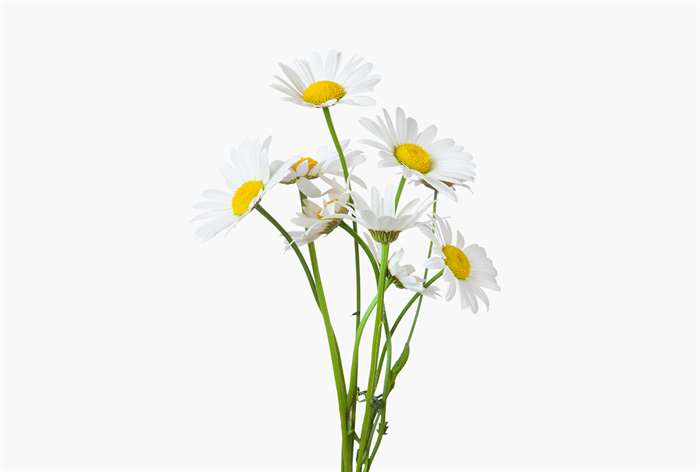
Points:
(247, 175)
(320, 220)
(383, 222)
(467, 268)
(318, 83)
(402, 275)
(324, 163)
(440, 164)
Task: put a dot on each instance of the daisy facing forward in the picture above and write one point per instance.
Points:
(439, 164)
(247, 175)
(320, 83)
(381, 219)
(468, 267)
(324, 163)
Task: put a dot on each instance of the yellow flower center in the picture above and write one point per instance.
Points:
(322, 91)
(311, 163)
(457, 261)
(244, 195)
(414, 157)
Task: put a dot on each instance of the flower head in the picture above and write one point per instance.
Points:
(402, 275)
(440, 164)
(316, 82)
(320, 220)
(467, 268)
(381, 219)
(248, 178)
(324, 163)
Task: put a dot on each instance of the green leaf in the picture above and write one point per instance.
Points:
(400, 362)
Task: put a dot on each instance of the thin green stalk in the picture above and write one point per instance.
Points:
(293, 245)
(425, 272)
(363, 245)
(405, 309)
(367, 422)
(356, 250)
(336, 360)
(399, 191)
(381, 431)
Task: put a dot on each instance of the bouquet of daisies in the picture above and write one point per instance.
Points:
(332, 197)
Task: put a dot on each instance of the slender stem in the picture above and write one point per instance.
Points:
(338, 147)
(369, 409)
(336, 360)
(363, 245)
(293, 245)
(425, 272)
(356, 250)
(405, 309)
(399, 191)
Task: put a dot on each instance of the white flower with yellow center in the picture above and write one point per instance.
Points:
(440, 164)
(320, 220)
(247, 175)
(402, 275)
(316, 82)
(381, 219)
(467, 268)
(324, 163)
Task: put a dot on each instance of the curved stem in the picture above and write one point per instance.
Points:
(336, 142)
(336, 360)
(293, 245)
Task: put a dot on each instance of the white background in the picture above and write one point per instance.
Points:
(128, 344)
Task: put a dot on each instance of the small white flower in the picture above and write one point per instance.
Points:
(318, 220)
(318, 83)
(248, 178)
(402, 274)
(383, 222)
(467, 268)
(440, 164)
(324, 163)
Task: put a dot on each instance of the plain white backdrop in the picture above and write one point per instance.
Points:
(127, 344)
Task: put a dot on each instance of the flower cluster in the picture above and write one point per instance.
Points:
(440, 165)
(333, 196)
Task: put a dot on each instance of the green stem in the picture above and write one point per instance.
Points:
(336, 360)
(425, 272)
(405, 309)
(356, 250)
(363, 245)
(369, 397)
(336, 142)
(293, 245)
(399, 191)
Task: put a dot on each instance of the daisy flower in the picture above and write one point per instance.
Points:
(440, 164)
(383, 222)
(248, 178)
(402, 275)
(324, 163)
(320, 220)
(317, 83)
(468, 267)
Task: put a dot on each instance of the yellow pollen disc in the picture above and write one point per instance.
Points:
(414, 157)
(457, 261)
(310, 161)
(322, 91)
(244, 195)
